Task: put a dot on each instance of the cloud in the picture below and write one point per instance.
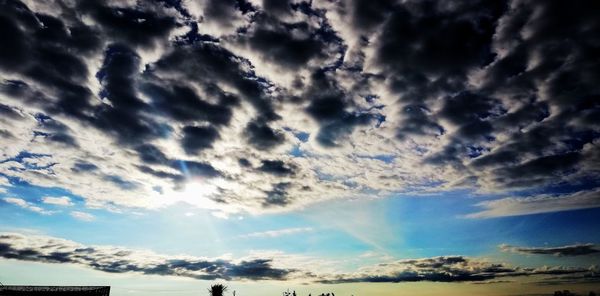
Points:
(83, 216)
(277, 233)
(57, 200)
(124, 103)
(267, 266)
(561, 251)
(27, 205)
(120, 260)
(447, 269)
(545, 203)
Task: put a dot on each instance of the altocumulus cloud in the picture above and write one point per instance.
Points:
(290, 103)
(45, 249)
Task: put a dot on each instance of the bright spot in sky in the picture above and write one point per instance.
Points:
(197, 193)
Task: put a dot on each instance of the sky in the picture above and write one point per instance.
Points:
(357, 147)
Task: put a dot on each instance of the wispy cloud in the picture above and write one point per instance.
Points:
(58, 201)
(570, 250)
(27, 205)
(546, 203)
(276, 233)
(83, 216)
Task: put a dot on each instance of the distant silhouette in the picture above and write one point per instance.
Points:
(217, 290)
(55, 290)
(563, 293)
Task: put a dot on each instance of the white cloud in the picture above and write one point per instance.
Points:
(58, 201)
(545, 203)
(83, 216)
(276, 233)
(27, 205)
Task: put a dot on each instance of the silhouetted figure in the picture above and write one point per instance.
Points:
(592, 293)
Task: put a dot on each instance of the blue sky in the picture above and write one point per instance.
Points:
(401, 227)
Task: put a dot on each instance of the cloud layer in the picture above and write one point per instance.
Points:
(46, 249)
(293, 102)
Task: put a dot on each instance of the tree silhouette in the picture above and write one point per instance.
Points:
(217, 290)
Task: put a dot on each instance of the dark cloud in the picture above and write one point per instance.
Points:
(334, 111)
(55, 131)
(571, 250)
(367, 14)
(115, 260)
(499, 95)
(418, 121)
(327, 108)
(183, 104)
(244, 162)
(8, 112)
(537, 171)
(276, 167)
(436, 39)
(288, 45)
(278, 195)
(538, 147)
(149, 153)
(128, 25)
(262, 136)
(427, 49)
(124, 117)
(207, 64)
(470, 111)
(176, 178)
(195, 168)
(277, 7)
(45, 50)
(448, 269)
(84, 166)
(152, 155)
(121, 182)
(196, 138)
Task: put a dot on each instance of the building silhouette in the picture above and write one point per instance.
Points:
(54, 290)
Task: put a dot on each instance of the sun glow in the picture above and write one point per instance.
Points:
(198, 193)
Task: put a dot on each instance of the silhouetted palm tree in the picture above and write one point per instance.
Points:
(217, 290)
